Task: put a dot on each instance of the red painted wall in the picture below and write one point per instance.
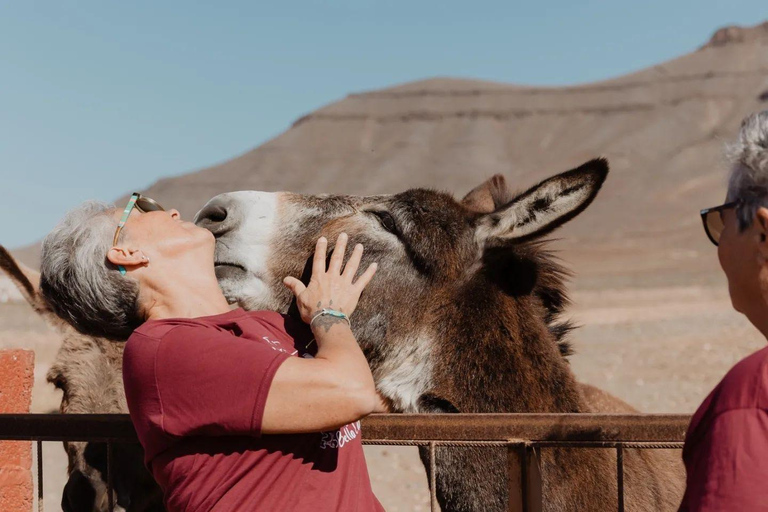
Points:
(16, 377)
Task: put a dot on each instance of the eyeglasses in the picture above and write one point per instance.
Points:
(713, 220)
(141, 203)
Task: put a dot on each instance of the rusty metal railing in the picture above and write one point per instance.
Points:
(521, 435)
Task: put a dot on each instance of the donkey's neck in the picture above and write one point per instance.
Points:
(495, 353)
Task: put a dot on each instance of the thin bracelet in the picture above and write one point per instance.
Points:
(330, 312)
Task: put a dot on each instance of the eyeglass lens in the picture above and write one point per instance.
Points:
(715, 225)
(146, 205)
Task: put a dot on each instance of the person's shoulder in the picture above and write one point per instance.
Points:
(745, 386)
(169, 328)
(160, 328)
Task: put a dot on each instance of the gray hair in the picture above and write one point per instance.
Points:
(748, 182)
(79, 283)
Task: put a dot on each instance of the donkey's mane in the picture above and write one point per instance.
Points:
(549, 286)
(551, 290)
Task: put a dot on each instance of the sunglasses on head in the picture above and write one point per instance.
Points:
(713, 220)
(141, 203)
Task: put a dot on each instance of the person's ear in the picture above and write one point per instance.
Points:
(761, 224)
(126, 256)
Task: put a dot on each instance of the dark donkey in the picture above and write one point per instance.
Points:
(463, 316)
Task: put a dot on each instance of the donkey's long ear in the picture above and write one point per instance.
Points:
(547, 206)
(488, 196)
(25, 279)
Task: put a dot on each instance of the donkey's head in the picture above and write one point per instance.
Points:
(440, 261)
(88, 372)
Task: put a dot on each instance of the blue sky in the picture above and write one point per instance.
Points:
(99, 98)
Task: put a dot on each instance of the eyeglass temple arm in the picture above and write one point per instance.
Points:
(121, 224)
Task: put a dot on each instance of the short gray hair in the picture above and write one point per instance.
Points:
(748, 182)
(79, 283)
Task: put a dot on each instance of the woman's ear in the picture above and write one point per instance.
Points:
(761, 225)
(126, 256)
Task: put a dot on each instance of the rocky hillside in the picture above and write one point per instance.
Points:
(662, 129)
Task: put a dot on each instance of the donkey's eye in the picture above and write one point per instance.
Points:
(387, 221)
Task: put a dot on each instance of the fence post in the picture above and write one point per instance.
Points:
(16, 378)
(523, 477)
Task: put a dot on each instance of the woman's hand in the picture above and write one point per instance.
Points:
(331, 288)
(335, 387)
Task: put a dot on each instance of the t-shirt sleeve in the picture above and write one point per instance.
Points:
(213, 383)
(733, 467)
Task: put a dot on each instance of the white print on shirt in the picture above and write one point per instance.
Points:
(338, 438)
(275, 345)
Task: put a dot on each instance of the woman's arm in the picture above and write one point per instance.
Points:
(336, 387)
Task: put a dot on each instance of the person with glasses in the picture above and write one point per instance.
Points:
(726, 446)
(236, 410)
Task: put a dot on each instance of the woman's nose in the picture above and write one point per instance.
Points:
(175, 215)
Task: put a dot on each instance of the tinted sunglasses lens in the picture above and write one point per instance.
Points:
(714, 225)
(146, 204)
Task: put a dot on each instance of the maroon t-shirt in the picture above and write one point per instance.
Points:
(196, 389)
(726, 447)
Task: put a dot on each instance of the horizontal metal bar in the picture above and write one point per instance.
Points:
(427, 442)
(629, 445)
(67, 427)
(393, 427)
(533, 427)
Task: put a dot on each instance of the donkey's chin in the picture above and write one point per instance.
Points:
(230, 271)
(243, 287)
(232, 280)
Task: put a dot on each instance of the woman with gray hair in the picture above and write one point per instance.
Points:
(236, 410)
(726, 447)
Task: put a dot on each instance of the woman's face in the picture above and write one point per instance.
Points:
(163, 234)
(739, 255)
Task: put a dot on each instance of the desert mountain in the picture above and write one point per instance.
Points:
(662, 129)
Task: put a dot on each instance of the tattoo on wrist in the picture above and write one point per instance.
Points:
(326, 321)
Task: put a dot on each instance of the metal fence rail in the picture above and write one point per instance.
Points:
(522, 435)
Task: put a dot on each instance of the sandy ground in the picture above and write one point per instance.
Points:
(661, 349)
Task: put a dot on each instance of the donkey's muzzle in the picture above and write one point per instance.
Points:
(217, 216)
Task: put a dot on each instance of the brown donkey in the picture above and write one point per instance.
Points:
(463, 316)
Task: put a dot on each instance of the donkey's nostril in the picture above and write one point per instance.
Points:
(217, 213)
(213, 216)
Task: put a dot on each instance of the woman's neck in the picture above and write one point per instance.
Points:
(174, 293)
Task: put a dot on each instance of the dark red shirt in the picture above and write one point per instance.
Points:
(726, 447)
(196, 390)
